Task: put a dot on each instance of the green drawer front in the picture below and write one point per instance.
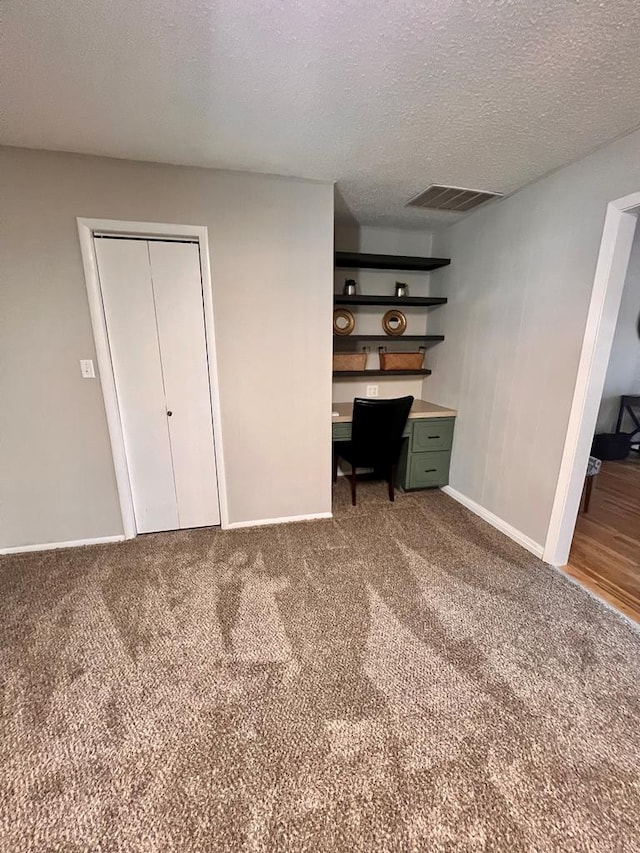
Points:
(428, 469)
(432, 434)
(341, 432)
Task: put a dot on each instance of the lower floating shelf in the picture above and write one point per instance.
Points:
(389, 339)
(344, 374)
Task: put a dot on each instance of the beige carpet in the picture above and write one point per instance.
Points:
(398, 678)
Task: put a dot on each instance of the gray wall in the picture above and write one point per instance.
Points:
(519, 287)
(623, 372)
(271, 242)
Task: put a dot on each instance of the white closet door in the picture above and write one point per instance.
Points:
(177, 287)
(125, 279)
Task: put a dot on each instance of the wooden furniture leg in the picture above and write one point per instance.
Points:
(588, 488)
(392, 483)
(335, 465)
(353, 485)
(620, 415)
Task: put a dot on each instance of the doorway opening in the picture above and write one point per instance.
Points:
(151, 256)
(610, 275)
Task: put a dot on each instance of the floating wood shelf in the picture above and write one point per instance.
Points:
(423, 301)
(389, 339)
(345, 374)
(358, 260)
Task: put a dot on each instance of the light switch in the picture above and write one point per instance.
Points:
(86, 368)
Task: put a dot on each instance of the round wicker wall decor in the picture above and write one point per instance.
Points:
(394, 322)
(343, 321)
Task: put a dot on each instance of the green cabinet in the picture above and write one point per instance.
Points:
(425, 458)
(425, 470)
(341, 432)
(432, 434)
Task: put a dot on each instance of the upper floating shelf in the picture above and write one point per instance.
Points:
(358, 260)
(341, 299)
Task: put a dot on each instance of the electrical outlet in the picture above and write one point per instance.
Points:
(372, 390)
(86, 368)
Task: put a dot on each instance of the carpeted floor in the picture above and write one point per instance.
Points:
(398, 678)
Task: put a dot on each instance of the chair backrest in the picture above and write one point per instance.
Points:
(377, 427)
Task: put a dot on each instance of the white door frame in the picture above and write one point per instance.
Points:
(611, 269)
(86, 230)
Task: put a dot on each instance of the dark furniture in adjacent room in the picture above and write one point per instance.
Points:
(631, 406)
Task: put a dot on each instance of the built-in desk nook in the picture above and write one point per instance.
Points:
(426, 454)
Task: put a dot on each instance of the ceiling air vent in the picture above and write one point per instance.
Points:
(453, 199)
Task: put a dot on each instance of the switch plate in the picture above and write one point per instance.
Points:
(372, 390)
(87, 369)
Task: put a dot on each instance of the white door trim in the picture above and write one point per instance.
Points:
(86, 230)
(611, 268)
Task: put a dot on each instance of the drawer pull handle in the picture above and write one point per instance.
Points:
(433, 436)
(430, 470)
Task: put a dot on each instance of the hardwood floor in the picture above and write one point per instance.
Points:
(605, 554)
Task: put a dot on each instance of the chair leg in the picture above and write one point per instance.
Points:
(353, 485)
(335, 466)
(392, 483)
(587, 493)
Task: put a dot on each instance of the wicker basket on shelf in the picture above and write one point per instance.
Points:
(343, 361)
(401, 360)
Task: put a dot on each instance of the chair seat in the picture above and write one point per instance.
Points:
(347, 450)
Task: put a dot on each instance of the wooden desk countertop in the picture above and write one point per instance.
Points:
(420, 409)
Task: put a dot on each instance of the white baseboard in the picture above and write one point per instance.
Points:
(495, 521)
(261, 522)
(50, 546)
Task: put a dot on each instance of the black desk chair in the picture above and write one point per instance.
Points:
(376, 439)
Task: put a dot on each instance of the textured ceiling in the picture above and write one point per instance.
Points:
(385, 96)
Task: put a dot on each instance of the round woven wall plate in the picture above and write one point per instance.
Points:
(343, 321)
(394, 322)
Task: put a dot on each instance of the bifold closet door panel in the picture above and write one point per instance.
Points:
(177, 286)
(125, 279)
